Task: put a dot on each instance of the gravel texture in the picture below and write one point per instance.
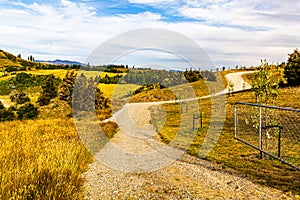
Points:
(135, 165)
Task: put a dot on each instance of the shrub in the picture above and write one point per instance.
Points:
(19, 97)
(6, 115)
(11, 69)
(66, 87)
(5, 88)
(27, 111)
(49, 91)
(292, 69)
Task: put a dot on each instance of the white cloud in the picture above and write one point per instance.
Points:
(230, 34)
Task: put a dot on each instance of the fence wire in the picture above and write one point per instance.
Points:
(272, 130)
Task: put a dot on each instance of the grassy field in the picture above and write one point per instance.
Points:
(185, 91)
(230, 154)
(59, 73)
(44, 158)
(117, 90)
(41, 159)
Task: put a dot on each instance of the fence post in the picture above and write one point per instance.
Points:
(195, 124)
(201, 117)
(279, 142)
(196, 118)
(235, 122)
(260, 133)
(184, 107)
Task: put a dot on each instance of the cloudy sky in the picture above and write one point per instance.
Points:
(232, 32)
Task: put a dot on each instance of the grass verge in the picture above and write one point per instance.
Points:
(41, 159)
(228, 152)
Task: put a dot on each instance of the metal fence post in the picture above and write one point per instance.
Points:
(201, 118)
(184, 107)
(260, 134)
(235, 121)
(196, 121)
(279, 141)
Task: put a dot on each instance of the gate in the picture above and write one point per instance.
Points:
(274, 131)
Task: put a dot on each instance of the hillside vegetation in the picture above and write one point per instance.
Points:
(41, 154)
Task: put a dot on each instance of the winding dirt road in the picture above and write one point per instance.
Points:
(135, 165)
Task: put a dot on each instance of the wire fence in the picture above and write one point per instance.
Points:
(274, 131)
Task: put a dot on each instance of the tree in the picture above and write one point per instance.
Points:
(100, 101)
(292, 69)
(49, 91)
(6, 115)
(23, 80)
(66, 87)
(19, 97)
(5, 88)
(265, 84)
(79, 97)
(27, 111)
(87, 95)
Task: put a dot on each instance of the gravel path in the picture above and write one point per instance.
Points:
(135, 165)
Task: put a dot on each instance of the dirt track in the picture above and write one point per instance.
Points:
(135, 165)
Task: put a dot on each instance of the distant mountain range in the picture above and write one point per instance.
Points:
(61, 62)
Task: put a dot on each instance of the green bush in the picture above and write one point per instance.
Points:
(5, 88)
(19, 97)
(292, 69)
(27, 111)
(11, 69)
(49, 91)
(6, 115)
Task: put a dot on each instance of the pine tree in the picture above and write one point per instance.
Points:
(67, 86)
(49, 91)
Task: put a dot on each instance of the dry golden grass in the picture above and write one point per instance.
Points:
(117, 90)
(59, 73)
(41, 159)
(228, 152)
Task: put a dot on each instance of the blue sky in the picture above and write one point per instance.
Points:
(232, 32)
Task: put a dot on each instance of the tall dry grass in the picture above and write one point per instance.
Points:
(41, 159)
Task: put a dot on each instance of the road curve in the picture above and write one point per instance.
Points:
(124, 167)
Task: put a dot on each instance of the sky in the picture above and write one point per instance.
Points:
(231, 32)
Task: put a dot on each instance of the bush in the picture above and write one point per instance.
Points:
(49, 91)
(27, 111)
(5, 88)
(11, 69)
(19, 97)
(292, 69)
(6, 114)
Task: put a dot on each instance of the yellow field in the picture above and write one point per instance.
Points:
(98, 73)
(117, 90)
(41, 159)
(59, 73)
